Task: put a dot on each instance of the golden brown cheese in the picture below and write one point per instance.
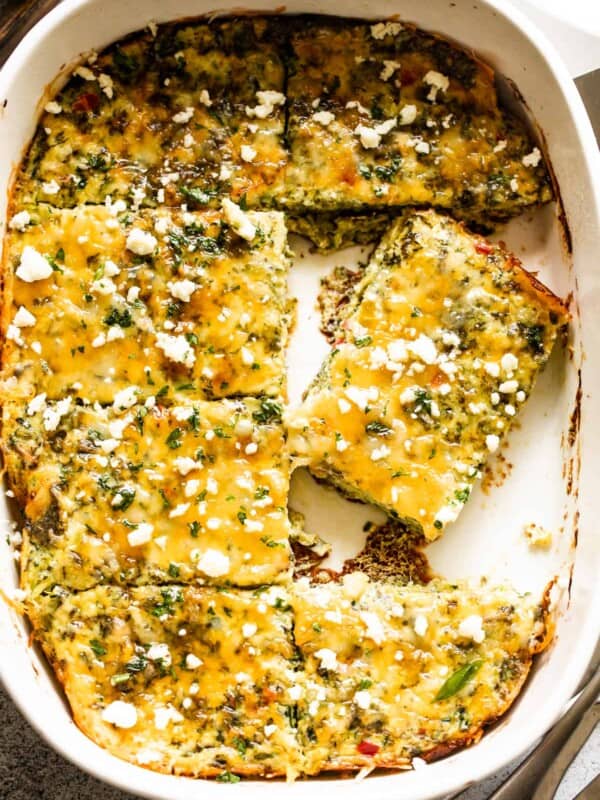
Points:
(395, 674)
(177, 679)
(384, 115)
(284, 682)
(103, 300)
(437, 351)
(143, 493)
(162, 118)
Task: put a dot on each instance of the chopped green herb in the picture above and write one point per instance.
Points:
(458, 680)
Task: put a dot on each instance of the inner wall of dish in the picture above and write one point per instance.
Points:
(488, 539)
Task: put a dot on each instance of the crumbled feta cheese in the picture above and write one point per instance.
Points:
(238, 220)
(327, 658)
(382, 29)
(324, 118)
(214, 563)
(472, 628)
(23, 318)
(182, 290)
(247, 153)
(85, 73)
(510, 410)
(204, 98)
(362, 397)
(120, 714)
(140, 242)
(179, 510)
(500, 146)
(176, 348)
(192, 661)
(20, 221)
(267, 101)
(532, 159)
(295, 692)
(408, 114)
(126, 398)
(354, 584)
(184, 464)
(50, 187)
(343, 405)
(33, 266)
(492, 442)
(369, 138)
(380, 452)
(375, 629)
(106, 84)
(53, 107)
(438, 83)
(492, 369)
(37, 404)
(183, 116)
(249, 629)
(363, 699)
(508, 387)
(509, 362)
(389, 67)
(494, 398)
(424, 348)
(420, 625)
(520, 396)
(141, 535)
(164, 715)
(52, 415)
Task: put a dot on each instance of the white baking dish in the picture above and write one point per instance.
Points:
(488, 538)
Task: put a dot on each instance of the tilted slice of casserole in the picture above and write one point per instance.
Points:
(104, 299)
(192, 492)
(437, 351)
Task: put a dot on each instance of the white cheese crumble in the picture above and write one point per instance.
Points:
(509, 362)
(382, 29)
(247, 153)
(437, 82)
(389, 67)
(183, 116)
(184, 464)
(492, 369)
(374, 625)
(204, 98)
(120, 714)
(324, 118)
(50, 187)
(492, 442)
(176, 348)
(33, 266)
(164, 715)
(371, 137)
(20, 221)
(52, 416)
(182, 290)
(106, 84)
(267, 101)
(85, 73)
(53, 107)
(420, 625)
(126, 398)
(238, 220)
(362, 397)
(192, 661)
(214, 563)
(424, 348)
(249, 629)
(472, 628)
(328, 659)
(532, 159)
(140, 242)
(408, 114)
(380, 453)
(23, 318)
(363, 699)
(141, 535)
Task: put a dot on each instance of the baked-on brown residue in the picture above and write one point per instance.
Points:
(392, 552)
(336, 290)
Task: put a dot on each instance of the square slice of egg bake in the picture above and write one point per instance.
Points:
(143, 492)
(436, 351)
(278, 681)
(104, 299)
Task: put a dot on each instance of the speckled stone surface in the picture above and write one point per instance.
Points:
(31, 770)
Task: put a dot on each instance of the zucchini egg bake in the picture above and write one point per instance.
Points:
(146, 434)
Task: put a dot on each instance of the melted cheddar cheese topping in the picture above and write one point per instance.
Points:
(436, 352)
(146, 299)
(193, 492)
